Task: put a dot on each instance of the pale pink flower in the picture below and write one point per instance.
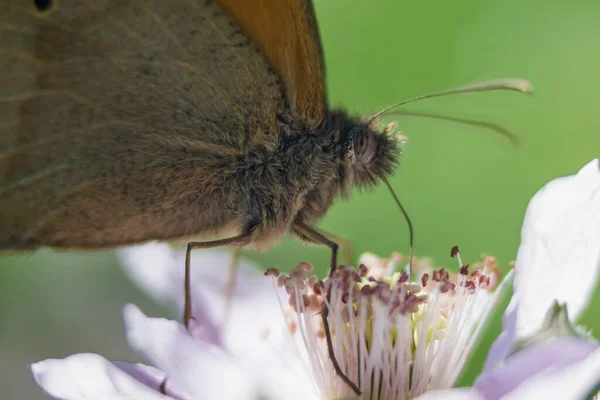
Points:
(403, 341)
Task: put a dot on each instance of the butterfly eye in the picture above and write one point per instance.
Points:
(364, 146)
(43, 5)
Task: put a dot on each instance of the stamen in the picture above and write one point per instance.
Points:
(453, 251)
(393, 336)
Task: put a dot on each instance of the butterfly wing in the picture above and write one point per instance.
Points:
(287, 34)
(118, 119)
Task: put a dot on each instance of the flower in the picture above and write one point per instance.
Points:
(211, 361)
(390, 329)
(392, 336)
(558, 260)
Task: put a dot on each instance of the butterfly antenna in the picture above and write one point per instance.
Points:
(411, 232)
(515, 84)
(498, 129)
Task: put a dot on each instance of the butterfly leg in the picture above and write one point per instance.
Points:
(311, 235)
(235, 241)
(344, 243)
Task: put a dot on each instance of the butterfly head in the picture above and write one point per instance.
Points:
(371, 151)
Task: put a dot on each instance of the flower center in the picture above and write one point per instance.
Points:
(395, 337)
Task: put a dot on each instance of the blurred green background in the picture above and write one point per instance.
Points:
(461, 185)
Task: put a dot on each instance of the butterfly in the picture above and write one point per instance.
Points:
(205, 121)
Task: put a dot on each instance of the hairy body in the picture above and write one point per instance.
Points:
(125, 121)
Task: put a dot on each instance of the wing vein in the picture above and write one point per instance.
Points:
(31, 178)
(166, 29)
(20, 55)
(220, 32)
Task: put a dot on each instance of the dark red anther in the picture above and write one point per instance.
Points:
(464, 269)
(470, 285)
(441, 275)
(424, 279)
(345, 298)
(484, 281)
(366, 290)
(445, 275)
(384, 294)
(447, 286)
(318, 288)
(306, 300)
(454, 251)
(403, 277)
(363, 270)
(272, 272)
(354, 276)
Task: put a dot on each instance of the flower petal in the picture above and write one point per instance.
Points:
(149, 376)
(577, 381)
(503, 343)
(525, 364)
(152, 267)
(159, 270)
(89, 376)
(253, 308)
(559, 254)
(200, 370)
(452, 394)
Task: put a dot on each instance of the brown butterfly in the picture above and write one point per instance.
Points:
(125, 121)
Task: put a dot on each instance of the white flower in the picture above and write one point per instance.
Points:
(393, 337)
(558, 260)
(389, 337)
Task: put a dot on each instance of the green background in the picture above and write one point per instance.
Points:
(461, 185)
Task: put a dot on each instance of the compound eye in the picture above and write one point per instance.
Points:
(364, 146)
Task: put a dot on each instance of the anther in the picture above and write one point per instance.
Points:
(345, 298)
(403, 277)
(298, 273)
(454, 251)
(294, 283)
(306, 300)
(306, 266)
(414, 288)
(319, 287)
(470, 286)
(487, 281)
(447, 286)
(366, 290)
(272, 272)
(363, 270)
(424, 279)
(281, 280)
